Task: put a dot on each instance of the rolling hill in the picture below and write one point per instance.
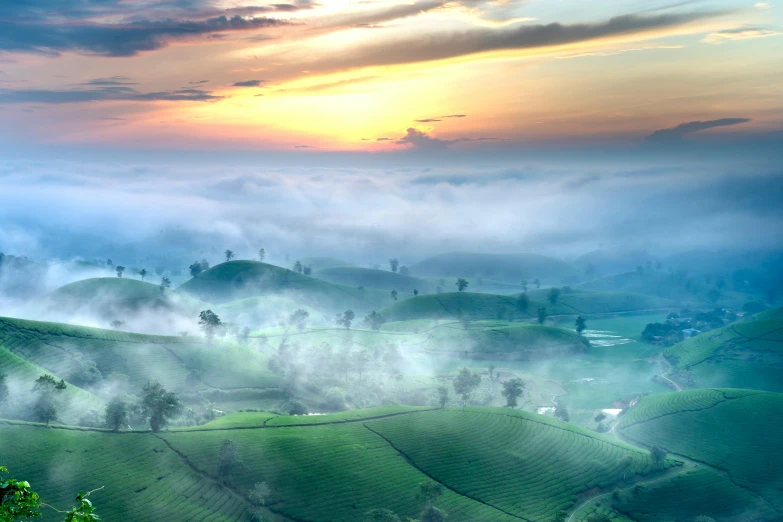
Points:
(741, 355)
(235, 280)
(370, 278)
(322, 263)
(504, 267)
(731, 431)
(62, 349)
(490, 461)
(506, 307)
(140, 306)
(265, 311)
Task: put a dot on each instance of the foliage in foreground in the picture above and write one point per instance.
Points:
(19, 502)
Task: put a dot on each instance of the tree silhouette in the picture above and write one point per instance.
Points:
(143, 273)
(229, 255)
(462, 284)
(119, 269)
(393, 264)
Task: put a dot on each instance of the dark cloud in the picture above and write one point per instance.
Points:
(122, 39)
(427, 120)
(303, 147)
(112, 81)
(676, 134)
(422, 140)
(198, 82)
(107, 93)
(450, 44)
(455, 116)
(382, 139)
(248, 83)
(371, 18)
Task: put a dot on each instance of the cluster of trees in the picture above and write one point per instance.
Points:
(156, 405)
(429, 492)
(299, 268)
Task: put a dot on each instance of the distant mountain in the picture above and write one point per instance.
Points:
(503, 267)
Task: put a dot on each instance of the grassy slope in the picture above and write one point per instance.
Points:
(735, 431)
(142, 478)
(322, 263)
(267, 310)
(745, 354)
(241, 279)
(380, 279)
(21, 373)
(492, 461)
(504, 267)
(55, 346)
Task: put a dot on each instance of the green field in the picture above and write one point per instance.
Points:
(490, 460)
(733, 431)
(57, 347)
(242, 279)
(741, 355)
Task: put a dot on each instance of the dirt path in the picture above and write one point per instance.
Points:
(669, 369)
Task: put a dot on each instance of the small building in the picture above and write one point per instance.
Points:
(690, 332)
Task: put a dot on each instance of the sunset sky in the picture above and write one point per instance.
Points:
(379, 75)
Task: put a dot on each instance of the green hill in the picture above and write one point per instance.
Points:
(684, 291)
(503, 267)
(506, 307)
(264, 311)
(322, 263)
(20, 377)
(61, 349)
(138, 304)
(242, 279)
(731, 431)
(381, 279)
(744, 354)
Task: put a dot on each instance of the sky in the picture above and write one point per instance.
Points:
(379, 76)
(374, 128)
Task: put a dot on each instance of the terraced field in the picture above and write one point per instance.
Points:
(142, 478)
(745, 354)
(242, 279)
(56, 347)
(735, 431)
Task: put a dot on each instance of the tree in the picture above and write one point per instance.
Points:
(415, 292)
(429, 493)
(229, 255)
(195, 269)
(117, 324)
(462, 284)
(537, 283)
(374, 321)
(109, 263)
(513, 390)
(443, 396)
(523, 302)
(204, 265)
(491, 370)
(465, 383)
(561, 412)
(432, 514)
(560, 516)
(229, 462)
(143, 273)
(3, 389)
(541, 315)
(116, 414)
(554, 295)
(119, 269)
(524, 285)
(45, 408)
(394, 294)
(18, 501)
(381, 515)
(165, 283)
(657, 454)
(261, 255)
(307, 270)
(346, 318)
(625, 464)
(159, 405)
(299, 318)
(209, 322)
(580, 325)
(393, 264)
(298, 267)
